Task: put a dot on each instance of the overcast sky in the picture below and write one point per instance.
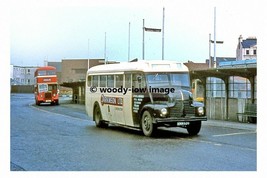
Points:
(54, 31)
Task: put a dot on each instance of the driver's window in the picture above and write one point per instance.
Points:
(138, 81)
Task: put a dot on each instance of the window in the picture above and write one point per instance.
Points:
(42, 87)
(89, 81)
(138, 81)
(128, 79)
(110, 81)
(103, 80)
(239, 87)
(119, 81)
(95, 81)
(255, 87)
(254, 51)
(215, 87)
(247, 52)
(51, 72)
(52, 87)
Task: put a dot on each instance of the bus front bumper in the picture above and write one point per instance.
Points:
(179, 119)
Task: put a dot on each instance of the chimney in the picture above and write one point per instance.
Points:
(240, 39)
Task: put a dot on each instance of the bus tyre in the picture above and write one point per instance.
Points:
(147, 125)
(37, 103)
(194, 127)
(98, 117)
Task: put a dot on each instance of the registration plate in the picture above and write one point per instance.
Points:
(47, 101)
(182, 123)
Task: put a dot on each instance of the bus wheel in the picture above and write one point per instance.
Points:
(37, 102)
(194, 127)
(147, 125)
(98, 117)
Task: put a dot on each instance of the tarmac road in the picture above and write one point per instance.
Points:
(62, 138)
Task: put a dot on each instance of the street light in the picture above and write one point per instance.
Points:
(212, 41)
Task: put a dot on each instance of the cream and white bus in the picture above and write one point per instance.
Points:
(143, 94)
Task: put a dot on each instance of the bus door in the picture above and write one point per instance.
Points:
(139, 96)
(127, 100)
(119, 106)
(113, 100)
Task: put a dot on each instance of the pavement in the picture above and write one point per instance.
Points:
(210, 122)
(231, 124)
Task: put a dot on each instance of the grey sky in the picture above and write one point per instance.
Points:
(58, 30)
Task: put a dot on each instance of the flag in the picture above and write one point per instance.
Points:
(152, 29)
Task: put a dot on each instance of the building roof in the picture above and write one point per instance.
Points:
(249, 42)
(196, 66)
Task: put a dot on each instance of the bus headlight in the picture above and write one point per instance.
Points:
(163, 112)
(200, 111)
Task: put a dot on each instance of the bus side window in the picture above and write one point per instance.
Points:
(89, 81)
(103, 80)
(110, 81)
(119, 81)
(95, 81)
(128, 79)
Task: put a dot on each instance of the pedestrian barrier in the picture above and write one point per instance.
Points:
(249, 114)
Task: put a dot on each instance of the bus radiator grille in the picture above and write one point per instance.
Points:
(48, 95)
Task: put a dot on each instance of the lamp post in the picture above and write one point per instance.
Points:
(210, 58)
(105, 48)
(214, 42)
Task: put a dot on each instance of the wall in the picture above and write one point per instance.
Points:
(74, 70)
(22, 89)
(216, 108)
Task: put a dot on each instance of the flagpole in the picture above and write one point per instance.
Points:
(129, 41)
(88, 64)
(163, 18)
(215, 60)
(105, 48)
(143, 53)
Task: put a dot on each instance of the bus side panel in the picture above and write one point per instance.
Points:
(88, 103)
(127, 109)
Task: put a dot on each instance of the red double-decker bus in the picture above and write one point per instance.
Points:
(46, 85)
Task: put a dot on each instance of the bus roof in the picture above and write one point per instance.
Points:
(43, 68)
(143, 66)
(46, 68)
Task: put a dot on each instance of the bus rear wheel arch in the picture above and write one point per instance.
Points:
(97, 116)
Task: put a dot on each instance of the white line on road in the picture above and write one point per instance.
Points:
(237, 133)
(72, 117)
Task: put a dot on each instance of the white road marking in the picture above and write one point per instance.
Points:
(72, 117)
(237, 133)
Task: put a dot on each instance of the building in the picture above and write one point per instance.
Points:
(22, 75)
(246, 49)
(58, 67)
(74, 73)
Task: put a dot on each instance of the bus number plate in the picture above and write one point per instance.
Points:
(182, 123)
